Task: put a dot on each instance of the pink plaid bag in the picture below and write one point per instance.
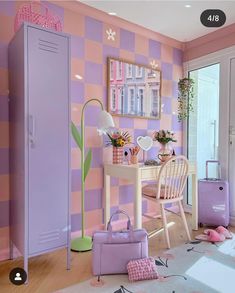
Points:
(142, 269)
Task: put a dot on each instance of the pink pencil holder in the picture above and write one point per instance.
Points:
(134, 159)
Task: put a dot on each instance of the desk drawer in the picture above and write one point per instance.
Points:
(149, 174)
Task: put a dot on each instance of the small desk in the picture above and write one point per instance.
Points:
(137, 174)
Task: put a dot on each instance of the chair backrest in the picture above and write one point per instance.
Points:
(172, 178)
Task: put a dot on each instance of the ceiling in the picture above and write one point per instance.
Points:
(170, 18)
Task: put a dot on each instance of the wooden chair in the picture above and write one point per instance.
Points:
(169, 189)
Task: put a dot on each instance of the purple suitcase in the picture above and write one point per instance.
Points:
(213, 200)
(112, 250)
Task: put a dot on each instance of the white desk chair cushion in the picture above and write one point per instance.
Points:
(169, 188)
(150, 190)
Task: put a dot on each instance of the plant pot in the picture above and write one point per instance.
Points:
(117, 155)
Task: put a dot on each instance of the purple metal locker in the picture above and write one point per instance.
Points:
(44, 107)
(18, 188)
(48, 143)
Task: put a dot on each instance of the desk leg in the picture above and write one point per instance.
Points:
(138, 201)
(194, 202)
(106, 199)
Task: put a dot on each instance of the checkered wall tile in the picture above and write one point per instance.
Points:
(89, 51)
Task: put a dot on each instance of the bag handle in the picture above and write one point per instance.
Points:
(111, 234)
(109, 226)
(39, 5)
(219, 167)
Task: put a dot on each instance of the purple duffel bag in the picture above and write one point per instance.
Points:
(112, 250)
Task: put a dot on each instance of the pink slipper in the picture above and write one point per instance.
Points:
(211, 236)
(223, 231)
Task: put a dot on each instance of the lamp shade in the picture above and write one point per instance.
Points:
(105, 121)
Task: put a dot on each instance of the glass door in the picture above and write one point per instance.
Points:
(232, 140)
(203, 122)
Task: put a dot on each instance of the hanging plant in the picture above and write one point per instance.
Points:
(185, 97)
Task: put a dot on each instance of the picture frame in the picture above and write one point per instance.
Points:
(134, 90)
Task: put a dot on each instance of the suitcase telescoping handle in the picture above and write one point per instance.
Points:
(109, 226)
(219, 167)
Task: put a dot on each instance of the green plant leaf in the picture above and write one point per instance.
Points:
(87, 163)
(76, 135)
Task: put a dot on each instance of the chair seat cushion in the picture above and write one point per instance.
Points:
(151, 190)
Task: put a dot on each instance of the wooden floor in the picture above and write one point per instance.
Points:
(48, 272)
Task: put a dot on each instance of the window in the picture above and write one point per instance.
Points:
(129, 70)
(139, 71)
(119, 70)
(155, 110)
(204, 121)
(141, 101)
(151, 73)
(120, 98)
(113, 99)
(131, 100)
(111, 70)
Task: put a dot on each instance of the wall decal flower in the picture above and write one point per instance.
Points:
(153, 64)
(111, 34)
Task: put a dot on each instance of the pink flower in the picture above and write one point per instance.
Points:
(115, 135)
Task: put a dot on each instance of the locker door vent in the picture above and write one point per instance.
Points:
(48, 46)
(49, 236)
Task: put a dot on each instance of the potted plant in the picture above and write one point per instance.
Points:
(185, 97)
(118, 139)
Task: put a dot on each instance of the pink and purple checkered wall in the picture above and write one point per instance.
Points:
(89, 51)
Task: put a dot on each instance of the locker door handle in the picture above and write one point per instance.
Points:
(32, 130)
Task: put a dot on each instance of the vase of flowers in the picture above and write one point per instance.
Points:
(118, 139)
(164, 137)
(165, 152)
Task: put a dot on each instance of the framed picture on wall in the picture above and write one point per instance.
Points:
(134, 90)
